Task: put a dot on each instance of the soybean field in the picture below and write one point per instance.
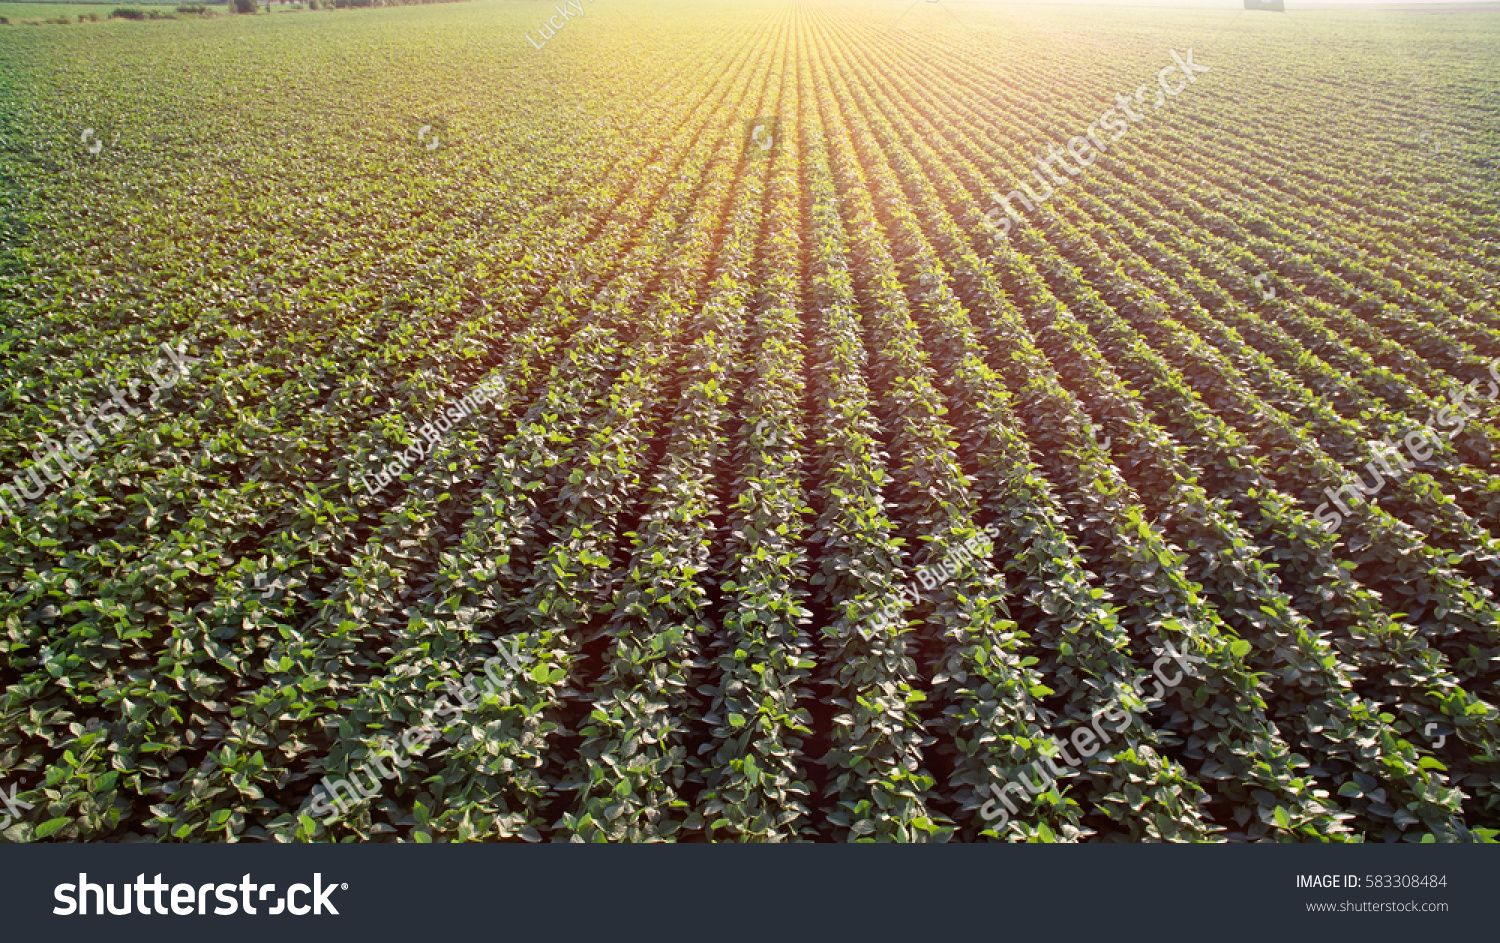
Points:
(766, 420)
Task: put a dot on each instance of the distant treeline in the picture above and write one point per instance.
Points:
(138, 11)
(194, 8)
(341, 4)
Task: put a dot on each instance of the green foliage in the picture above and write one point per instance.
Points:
(665, 585)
